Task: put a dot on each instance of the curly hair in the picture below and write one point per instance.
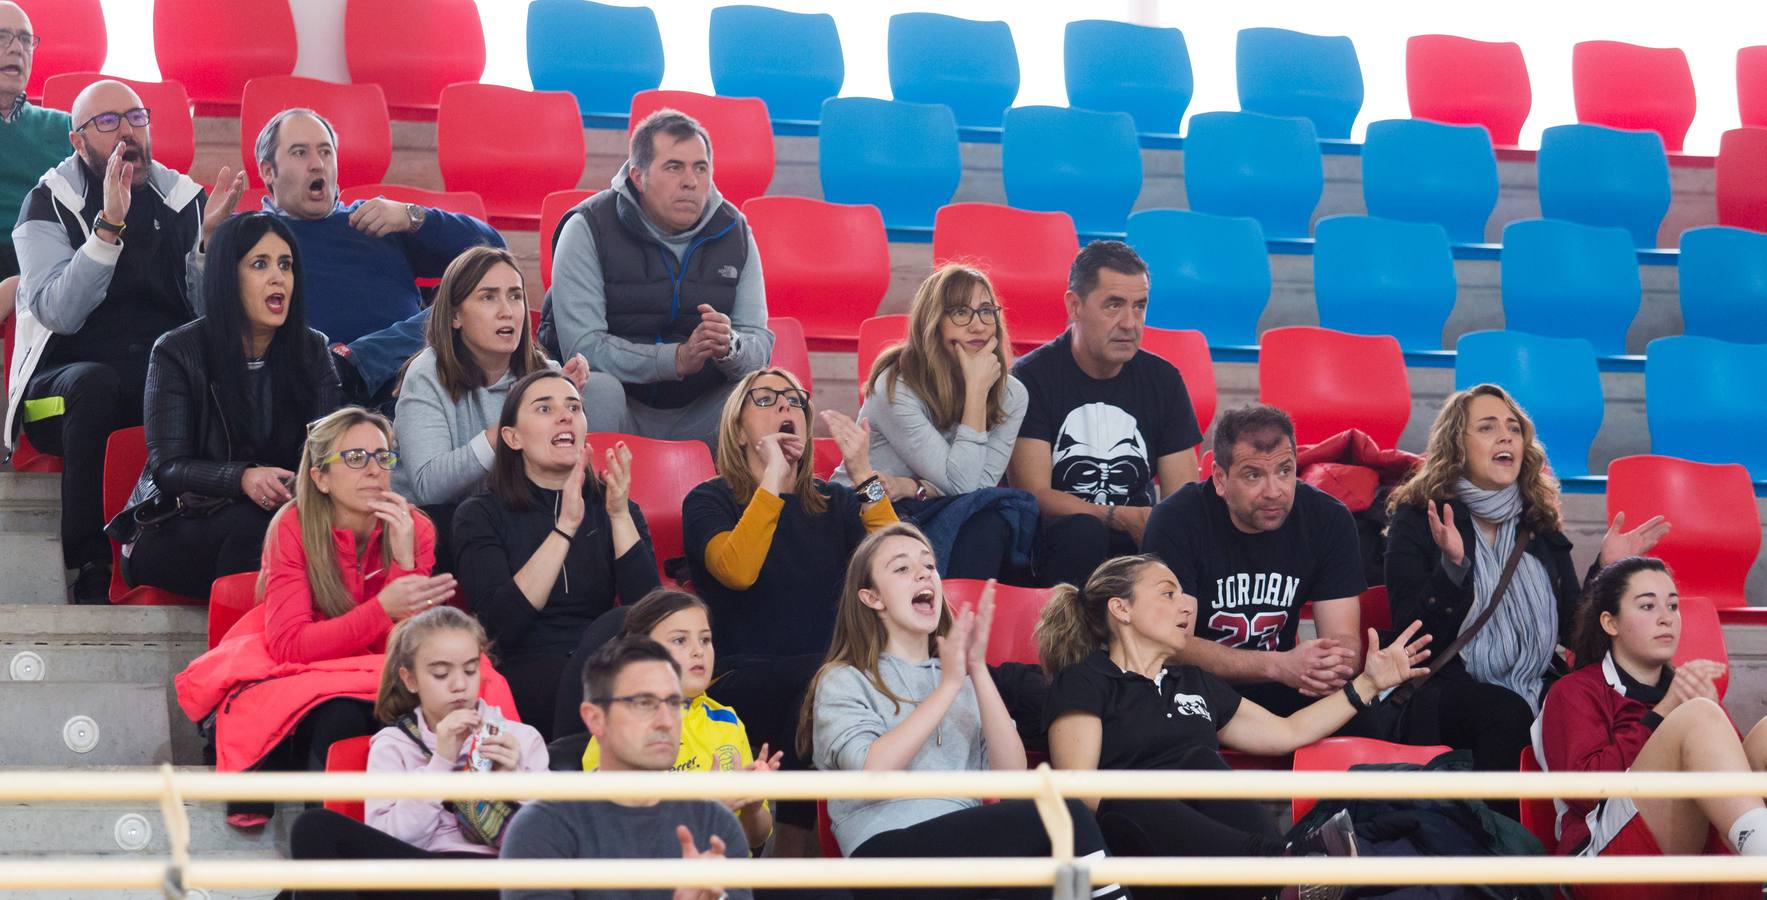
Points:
(1445, 462)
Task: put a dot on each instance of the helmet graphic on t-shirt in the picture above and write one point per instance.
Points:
(1100, 455)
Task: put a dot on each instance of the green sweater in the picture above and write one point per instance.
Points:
(30, 144)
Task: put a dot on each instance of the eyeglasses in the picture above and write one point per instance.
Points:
(764, 397)
(961, 315)
(648, 704)
(357, 458)
(29, 40)
(108, 122)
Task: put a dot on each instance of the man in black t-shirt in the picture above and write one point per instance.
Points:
(1105, 419)
(1254, 544)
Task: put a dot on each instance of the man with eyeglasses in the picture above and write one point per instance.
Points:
(110, 244)
(632, 705)
(657, 282)
(32, 139)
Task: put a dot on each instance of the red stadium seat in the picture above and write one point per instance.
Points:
(485, 142)
(1624, 85)
(1742, 193)
(789, 350)
(464, 202)
(831, 849)
(1377, 611)
(348, 755)
(827, 264)
(1189, 351)
(215, 48)
(1751, 85)
(125, 454)
(742, 137)
(1702, 637)
(1539, 816)
(1329, 381)
(1025, 254)
(173, 131)
(74, 39)
(413, 49)
(1338, 754)
(1461, 81)
(552, 210)
(357, 112)
(231, 597)
(1013, 637)
(825, 457)
(534, 321)
(25, 458)
(662, 474)
(876, 335)
(1716, 531)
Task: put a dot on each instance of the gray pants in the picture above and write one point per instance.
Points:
(608, 408)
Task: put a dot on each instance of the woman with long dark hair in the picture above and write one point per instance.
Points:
(229, 397)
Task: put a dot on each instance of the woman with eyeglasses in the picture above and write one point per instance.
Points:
(944, 412)
(229, 397)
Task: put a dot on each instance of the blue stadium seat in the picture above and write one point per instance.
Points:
(967, 65)
(1702, 398)
(1290, 73)
(1084, 163)
(1248, 164)
(1381, 276)
(900, 157)
(1561, 279)
(1603, 176)
(791, 60)
(1723, 275)
(1210, 273)
(1556, 380)
(603, 54)
(1418, 171)
(1120, 67)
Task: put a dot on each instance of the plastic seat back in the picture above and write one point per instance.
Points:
(1248, 164)
(663, 472)
(1329, 381)
(968, 65)
(1419, 171)
(1375, 608)
(552, 210)
(792, 61)
(827, 264)
(789, 350)
(1693, 383)
(1338, 754)
(825, 457)
(1561, 279)
(742, 137)
(1555, 380)
(900, 157)
(1624, 85)
(467, 203)
(484, 144)
(1742, 192)
(1205, 272)
(1461, 81)
(1136, 69)
(231, 598)
(1013, 637)
(599, 53)
(1751, 85)
(1717, 530)
(74, 40)
(213, 49)
(1539, 816)
(1188, 350)
(171, 125)
(348, 755)
(125, 455)
(1291, 73)
(1381, 276)
(1723, 283)
(876, 335)
(413, 48)
(357, 112)
(1084, 163)
(1702, 637)
(1597, 175)
(1026, 256)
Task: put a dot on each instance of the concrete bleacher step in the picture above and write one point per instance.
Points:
(30, 546)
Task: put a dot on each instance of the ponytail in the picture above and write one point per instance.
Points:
(1074, 621)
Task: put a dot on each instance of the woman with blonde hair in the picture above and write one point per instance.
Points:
(944, 413)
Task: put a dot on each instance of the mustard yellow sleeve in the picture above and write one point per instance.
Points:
(880, 514)
(735, 557)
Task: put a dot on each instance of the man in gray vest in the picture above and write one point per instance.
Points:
(657, 283)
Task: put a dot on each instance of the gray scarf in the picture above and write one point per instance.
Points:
(1514, 648)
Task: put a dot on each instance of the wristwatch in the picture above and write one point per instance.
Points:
(417, 214)
(871, 489)
(100, 223)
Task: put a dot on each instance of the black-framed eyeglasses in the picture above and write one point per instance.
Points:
(648, 704)
(29, 40)
(108, 122)
(764, 397)
(962, 315)
(357, 458)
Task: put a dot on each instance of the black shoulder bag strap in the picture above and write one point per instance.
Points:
(1405, 691)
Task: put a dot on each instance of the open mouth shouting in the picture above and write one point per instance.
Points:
(564, 439)
(276, 303)
(1504, 458)
(507, 332)
(317, 190)
(926, 603)
(788, 427)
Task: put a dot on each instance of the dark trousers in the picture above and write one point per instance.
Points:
(1007, 828)
(323, 834)
(305, 749)
(185, 555)
(768, 693)
(1491, 721)
(567, 716)
(534, 679)
(8, 261)
(98, 400)
(1070, 547)
(983, 548)
(1190, 828)
(441, 515)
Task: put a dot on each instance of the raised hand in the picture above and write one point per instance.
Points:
(854, 439)
(981, 368)
(1398, 662)
(1693, 679)
(776, 468)
(397, 526)
(408, 595)
(570, 499)
(453, 730)
(119, 184)
(1315, 668)
(710, 340)
(714, 850)
(1618, 544)
(229, 187)
(618, 480)
(576, 370)
(1446, 536)
(954, 647)
(503, 750)
(984, 623)
(763, 763)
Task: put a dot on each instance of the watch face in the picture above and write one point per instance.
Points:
(874, 491)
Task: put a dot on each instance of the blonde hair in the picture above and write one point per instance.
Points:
(732, 455)
(926, 364)
(1445, 462)
(1075, 621)
(395, 699)
(859, 635)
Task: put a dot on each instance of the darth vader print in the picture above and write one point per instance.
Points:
(1101, 457)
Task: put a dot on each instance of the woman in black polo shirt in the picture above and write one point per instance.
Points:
(1116, 703)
